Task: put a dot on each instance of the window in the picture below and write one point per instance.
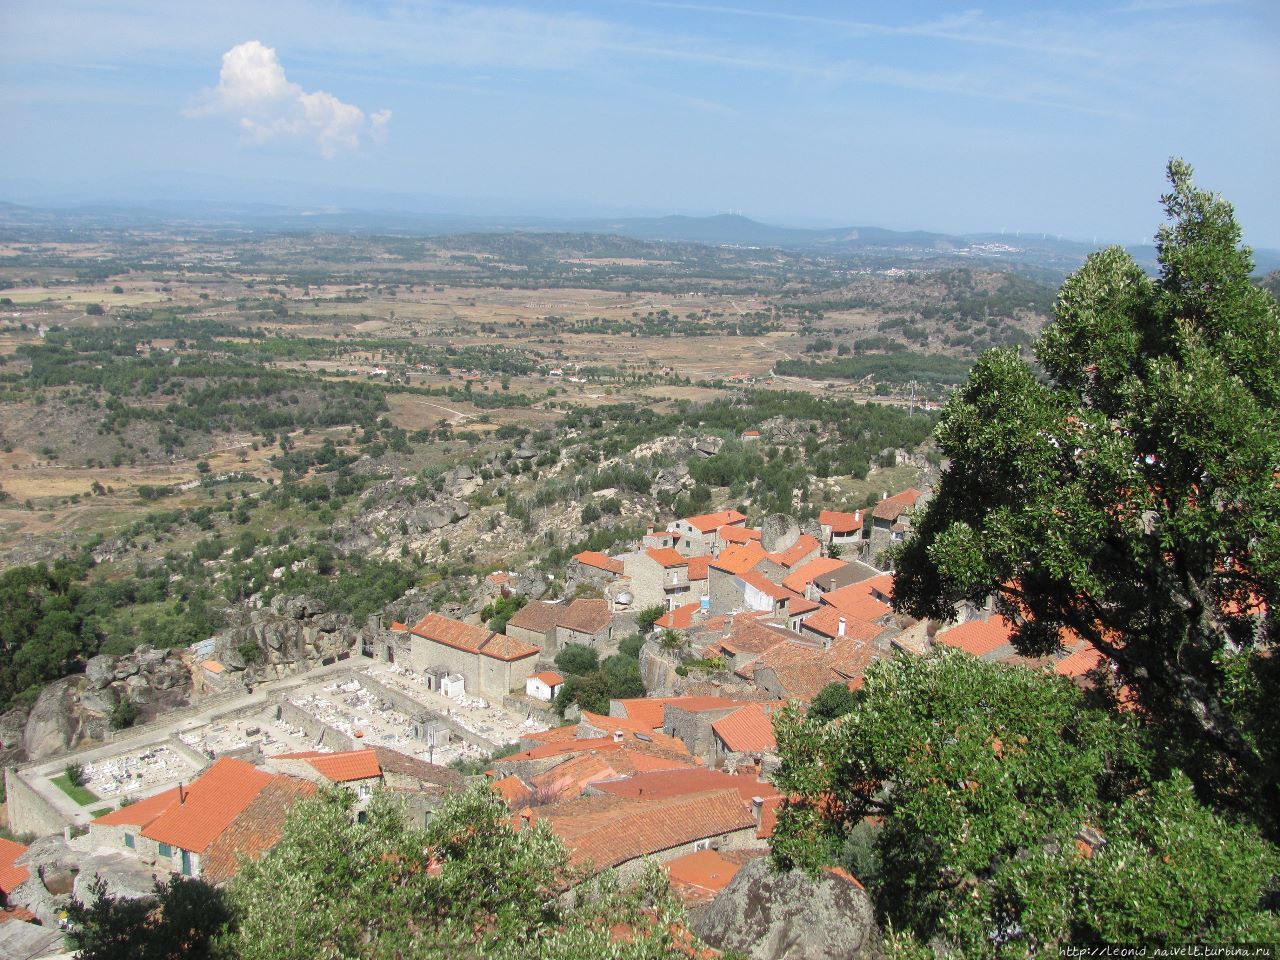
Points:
(186, 863)
(701, 845)
(166, 850)
(128, 840)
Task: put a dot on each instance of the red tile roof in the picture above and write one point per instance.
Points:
(209, 804)
(464, 636)
(586, 616)
(256, 830)
(841, 523)
(339, 767)
(667, 557)
(707, 522)
(647, 712)
(801, 605)
(698, 877)
(537, 617)
(549, 678)
(802, 548)
(567, 780)
(681, 618)
(593, 558)
(856, 600)
(1084, 659)
(978, 637)
(749, 730)
(739, 557)
(608, 831)
(893, 507)
(698, 567)
(12, 876)
(802, 670)
(753, 578)
(800, 578)
(738, 534)
(826, 622)
(511, 789)
(750, 635)
(664, 784)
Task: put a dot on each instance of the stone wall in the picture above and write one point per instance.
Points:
(28, 811)
(694, 728)
(321, 733)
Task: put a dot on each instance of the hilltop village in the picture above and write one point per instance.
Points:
(726, 624)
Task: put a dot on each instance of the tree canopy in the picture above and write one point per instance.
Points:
(1130, 496)
(469, 885)
(956, 790)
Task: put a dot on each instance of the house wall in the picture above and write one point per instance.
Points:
(725, 591)
(646, 580)
(756, 599)
(597, 640)
(694, 728)
(546, 640)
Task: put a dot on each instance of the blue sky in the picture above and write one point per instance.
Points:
(1021, 116)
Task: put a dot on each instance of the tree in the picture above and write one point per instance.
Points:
(469, 885)
(577, 658)
(833, 700)
(178, 923)
(75, 774)
(123, 714)
(1131, 499)
(957, 789)
(646, 618)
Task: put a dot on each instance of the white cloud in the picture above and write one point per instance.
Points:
(252, 87)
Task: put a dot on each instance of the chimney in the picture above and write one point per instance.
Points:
(841, 624)
(857, 516)
(182, 796)
(757, 804)
(617, 736)
(885, 495)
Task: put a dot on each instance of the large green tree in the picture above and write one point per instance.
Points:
(468, 886)
(956, 790)
(1130, 495)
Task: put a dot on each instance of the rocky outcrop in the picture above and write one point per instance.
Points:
(658, 670)
(778, 532)
(291, 635)
(79, 707)
(766, 914)
(59, 871)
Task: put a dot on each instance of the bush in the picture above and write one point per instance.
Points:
(249, 652)
(576, 659)
(75, 774)
(123, 714)
(647, 617)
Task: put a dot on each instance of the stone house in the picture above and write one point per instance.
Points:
(585, 621)
(591, 566)
(700, 535)
(492, 664)
(536, 623)
(659, 576)
(176, 829)
(727, 590)
(840, 528)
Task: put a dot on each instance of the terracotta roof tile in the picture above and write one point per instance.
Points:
(681, 618)
(749, 635)
(12, 876)
(209, 804)
(549, 678)
(586, 616)
(538, 616)
(738, 558)
(667, 557)
(841, 523)
(800, 578)
(893, 507)
(339, 767)
(802, 548)
(255, 830)
(978, 637)
(665, 784)
(707, 522)
(749, 730)
(429, 775)
(511, 789)
(626, 829)
(738, 534)
(803, 670)
(593, 558)
(826, 622)
(698, 877)
(464, 636)
(860, 601)
(1084, 659)
(698, 567)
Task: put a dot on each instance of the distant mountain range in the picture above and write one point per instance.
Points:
(1041, 251)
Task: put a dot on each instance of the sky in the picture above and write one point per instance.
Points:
(1049, 117)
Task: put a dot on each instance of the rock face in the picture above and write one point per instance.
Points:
(292, 635)
(778, 532)
(78, 707)
(770, 915)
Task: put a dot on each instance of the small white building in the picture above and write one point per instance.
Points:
(544, 686)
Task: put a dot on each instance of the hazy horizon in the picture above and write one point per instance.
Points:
(1054, 121)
